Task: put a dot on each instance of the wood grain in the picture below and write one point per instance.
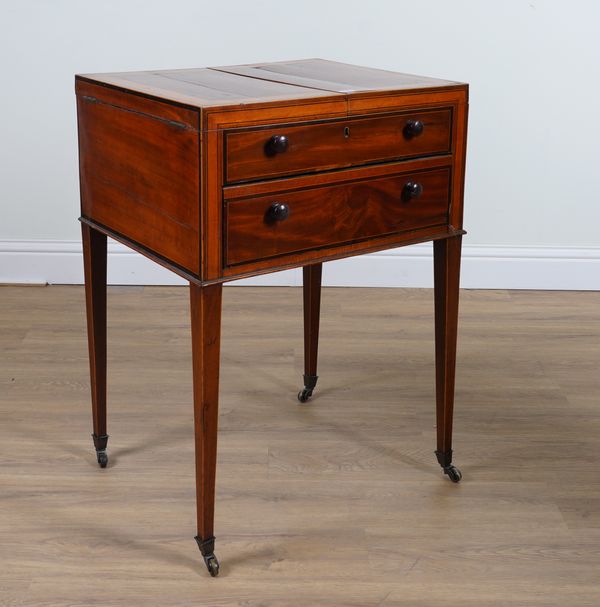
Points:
(155, 157)
(94, 267)
(446, 263)
(367, 207)
(311, 298)
(204, 87)
(234, 86)
(334, 76)
(139, 176)
(334, 144)
(154, 150)
(205, 308)
(336, 502)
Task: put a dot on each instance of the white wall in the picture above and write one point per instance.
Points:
(533, 180)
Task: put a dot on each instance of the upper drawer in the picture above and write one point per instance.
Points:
(273, 151)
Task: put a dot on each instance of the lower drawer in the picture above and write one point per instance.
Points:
(282, 222)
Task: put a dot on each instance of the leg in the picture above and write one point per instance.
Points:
(206, 335)
(446, 255)
(311, 290)
(94, 263)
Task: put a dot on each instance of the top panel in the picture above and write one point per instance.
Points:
(243, 85)
(335, 77)
(204, 87)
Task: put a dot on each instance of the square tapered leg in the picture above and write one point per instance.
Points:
(94, 260)
(446, 254)
(206, 336)
(311, 290)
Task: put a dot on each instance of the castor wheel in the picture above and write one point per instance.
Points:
(454, 474)
(207, 549)
(304, 395)
(310, 381)
(100, 441)
(212, 564)
(102, 458)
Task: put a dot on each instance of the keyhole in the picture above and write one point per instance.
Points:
(346, 132)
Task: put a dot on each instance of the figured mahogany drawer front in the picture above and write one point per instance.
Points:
(259, 153)
(284, 222)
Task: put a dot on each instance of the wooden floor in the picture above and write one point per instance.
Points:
(337, 502)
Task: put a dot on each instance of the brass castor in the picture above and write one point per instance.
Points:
(207, 549)
(310, 381)
(212, 564)
(100, 442)
(444, 459)
(304, 395)
(102, 458)
(454, 474)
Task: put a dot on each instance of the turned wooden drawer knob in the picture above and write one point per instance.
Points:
(278, 211)
(277, 144)
(413, 128)
(411, 189)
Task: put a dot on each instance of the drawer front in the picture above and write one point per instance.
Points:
(282, 222)
(260, 153)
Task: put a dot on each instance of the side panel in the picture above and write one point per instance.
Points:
(139, 165)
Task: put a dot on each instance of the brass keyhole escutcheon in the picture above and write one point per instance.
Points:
(346, 132)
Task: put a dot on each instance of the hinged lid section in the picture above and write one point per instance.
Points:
(335, 77)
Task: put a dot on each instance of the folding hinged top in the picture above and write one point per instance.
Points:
(265, 82)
